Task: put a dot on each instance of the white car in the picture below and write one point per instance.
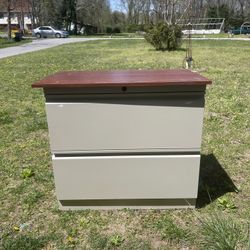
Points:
(48, 31)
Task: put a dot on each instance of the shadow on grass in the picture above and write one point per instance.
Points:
(214, 181)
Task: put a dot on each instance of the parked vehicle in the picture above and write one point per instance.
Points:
(243, 29)
(48, 31)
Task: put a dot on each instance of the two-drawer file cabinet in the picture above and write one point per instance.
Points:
(125, 138)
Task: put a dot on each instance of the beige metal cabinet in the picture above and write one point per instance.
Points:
(165, 123)
(125, 139)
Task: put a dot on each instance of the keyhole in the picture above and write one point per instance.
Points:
(124, 89)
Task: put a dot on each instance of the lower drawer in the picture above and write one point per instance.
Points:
(126, 177)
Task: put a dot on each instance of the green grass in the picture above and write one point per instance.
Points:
(29, 215)
(222, 35)
(224, 233)
(135, 35)
(115, 35)
(4, 43)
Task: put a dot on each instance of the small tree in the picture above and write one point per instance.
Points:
(164, 36)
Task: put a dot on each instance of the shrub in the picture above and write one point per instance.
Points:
(163, 36)
(131, 28)
(109, 30)
(116, 30)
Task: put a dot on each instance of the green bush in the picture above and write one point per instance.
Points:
(163, 36)
(131, 28)
(116, 30)
(109, 30)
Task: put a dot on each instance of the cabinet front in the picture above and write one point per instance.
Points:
(136, 123)
(126, 177)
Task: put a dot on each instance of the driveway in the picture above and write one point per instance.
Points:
(40, 44)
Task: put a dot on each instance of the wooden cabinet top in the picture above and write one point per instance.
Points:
(130, 78)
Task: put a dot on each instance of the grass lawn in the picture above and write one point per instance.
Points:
(222, 35)
(115, 35)
(4, 43)
(29, 215)
(135, 35)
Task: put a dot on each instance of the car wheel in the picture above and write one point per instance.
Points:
(38, 35)
(58, 35)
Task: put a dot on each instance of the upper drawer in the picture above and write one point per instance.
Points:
(132, 123)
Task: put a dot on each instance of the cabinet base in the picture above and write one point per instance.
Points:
(132, 204)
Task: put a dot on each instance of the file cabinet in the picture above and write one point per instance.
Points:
(125, 138)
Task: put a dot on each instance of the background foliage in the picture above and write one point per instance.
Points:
(130, 15)
(164, 36)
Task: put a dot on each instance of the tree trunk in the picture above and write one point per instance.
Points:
(22, 18)
(32, 14)
(218, 8)
(172, 15)
(9, 19)
(242, 10)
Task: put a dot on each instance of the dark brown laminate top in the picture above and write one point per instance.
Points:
(131, 78)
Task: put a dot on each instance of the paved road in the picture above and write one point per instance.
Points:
(40, 44)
